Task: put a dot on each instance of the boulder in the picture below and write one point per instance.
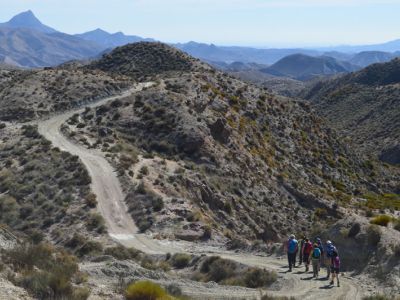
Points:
(219, 131)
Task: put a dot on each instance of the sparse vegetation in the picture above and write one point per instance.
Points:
(180, 260)
(226, 272)
(41, 186)
(382, 220)
(146, 290)
(45, 272)
(122, 253)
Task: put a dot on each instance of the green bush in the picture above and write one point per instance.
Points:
(218, 269)
(145, 290)
(256, 278)
(91, 200)
(180, 260)
(96, 222)
(382, 220)
(122, 253)
(45, 272)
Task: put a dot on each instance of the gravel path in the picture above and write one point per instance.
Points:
(121, 227)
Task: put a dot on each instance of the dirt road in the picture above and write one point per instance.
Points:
(121, 227)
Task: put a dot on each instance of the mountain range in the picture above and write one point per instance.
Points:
(25, 41)
(27, 20)
(110, 40)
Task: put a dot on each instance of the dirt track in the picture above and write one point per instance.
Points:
(106, 186)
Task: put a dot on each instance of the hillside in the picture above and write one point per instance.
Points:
(42, 189)
(252, 73)
(204, 153)
(365, 107)
(26, 95)
(145, 59)
(303, 67)
(205, 164)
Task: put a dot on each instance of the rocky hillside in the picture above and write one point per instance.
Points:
(25, 95)
(145, 59)
(44, 192)
(204, 153)
(370, 249)
(364, 106)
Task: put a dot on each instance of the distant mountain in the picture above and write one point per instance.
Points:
(26, 42)
(32, 48)
(364, 106)
(236, 66)
(303, 67)
(242, 54)
(27, 20)
(110, 40)
(391, 46)
(367, 58)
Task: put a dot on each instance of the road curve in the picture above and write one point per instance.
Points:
(121, 228)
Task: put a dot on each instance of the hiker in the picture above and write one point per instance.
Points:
(335, 267)
(321, 248)
(330, 249)
(303, 240)
(306, 250)
(292, 248)
(316, 260)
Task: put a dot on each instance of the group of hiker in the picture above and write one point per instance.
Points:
(315, 253)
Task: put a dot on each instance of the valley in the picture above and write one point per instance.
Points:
(122, 228)
(132, 169)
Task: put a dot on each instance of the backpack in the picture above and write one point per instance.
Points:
(316, 253)
(329, 250)
(321, 248)
(292, 246)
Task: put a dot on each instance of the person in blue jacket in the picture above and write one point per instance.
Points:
(292, 247)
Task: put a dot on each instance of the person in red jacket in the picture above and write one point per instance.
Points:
(307, 249)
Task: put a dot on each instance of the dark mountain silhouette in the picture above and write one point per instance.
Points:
(27, 20)
(304, 67)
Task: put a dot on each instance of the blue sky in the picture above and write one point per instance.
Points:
(225, 22)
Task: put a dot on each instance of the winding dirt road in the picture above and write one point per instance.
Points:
(111, 205)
